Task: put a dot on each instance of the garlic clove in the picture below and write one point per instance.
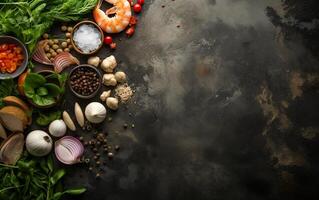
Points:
(112, 103)
(68, 121)
(105, 95)
(79, 114)
(95, 61)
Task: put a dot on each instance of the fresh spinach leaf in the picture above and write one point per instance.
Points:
(53, 89)
(43, 100)
(42, 91)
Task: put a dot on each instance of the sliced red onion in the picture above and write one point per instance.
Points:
(63, 60)
(68, 150)
(39, 53)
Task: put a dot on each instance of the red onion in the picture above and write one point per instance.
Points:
(39, 53)
(68, 150)
(63, 60)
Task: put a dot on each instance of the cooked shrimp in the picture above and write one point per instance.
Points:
(122, 11)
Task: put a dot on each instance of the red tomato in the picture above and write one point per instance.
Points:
(140, 2)
(133, 21)
(130, 31)
(108, 40)
(137, 8)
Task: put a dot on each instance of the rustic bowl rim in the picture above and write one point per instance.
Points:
(76, 27)
(96, 91)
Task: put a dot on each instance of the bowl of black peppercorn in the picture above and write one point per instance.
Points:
(85, 81)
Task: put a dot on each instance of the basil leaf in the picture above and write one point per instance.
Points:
(46, 119)
(57, 196)
(42, 91)
(43, 101)
(75, 191)
(57, 176)
(34, 80)
(50, 160)
(53, 89)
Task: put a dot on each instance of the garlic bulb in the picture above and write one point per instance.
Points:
(95, 112)
(105, 95)
(95, 61)
(109, 80)
(68, 121)
(38, 143)
(108, 64)
(112, 103)
(120, 77)
(57, 128)
(79, 114)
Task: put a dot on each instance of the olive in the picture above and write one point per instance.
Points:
(70, 29)
(68, 35)
(64, 44)
(55, 46)
(67, 50)
(63, 28)
(45, 36)
(56, 41)
(59, 50)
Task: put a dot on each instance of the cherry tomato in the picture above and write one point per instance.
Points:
(130, 31)
(133, 21)
(113, 45)
(140, 2)
(137, 8)
(108, 40)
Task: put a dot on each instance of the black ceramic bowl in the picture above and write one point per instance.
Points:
(98, 74)
(21, 68)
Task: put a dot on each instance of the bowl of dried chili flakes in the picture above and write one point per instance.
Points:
(13, 57)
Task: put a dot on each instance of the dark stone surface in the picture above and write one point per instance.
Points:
(226, 105)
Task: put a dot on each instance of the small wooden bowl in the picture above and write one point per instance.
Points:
(76, 27)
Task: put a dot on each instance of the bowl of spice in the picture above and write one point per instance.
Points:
(85, 81)
(13, 57)
(87, 37)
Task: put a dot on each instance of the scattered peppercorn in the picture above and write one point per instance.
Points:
(117, 148)
(110, 155)
(125, 125)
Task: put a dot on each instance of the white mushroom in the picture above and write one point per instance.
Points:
(112, 103)
(105, 95)
(95, 61)
(109, 64)
(120, 77)
(109, 80)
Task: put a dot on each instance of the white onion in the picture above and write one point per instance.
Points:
(68, 150)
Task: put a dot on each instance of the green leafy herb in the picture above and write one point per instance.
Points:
(7, 88)
(29, 19)
(46, 119)
(33, 179)
(42, 92)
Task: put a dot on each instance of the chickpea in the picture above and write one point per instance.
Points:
(70, 29)
(48, 55)
(51, 59)
(64, 44)
(56, 41)
(70, 46)
(51, 51)
(45, 36)
(63, 28)
(68, 41)
(67, 50)
(55, 46)
(47, 48)
(50, 42)
(59, 50)
(54, 54)
(68, 35)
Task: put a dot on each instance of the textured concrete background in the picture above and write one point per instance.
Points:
(226, 105)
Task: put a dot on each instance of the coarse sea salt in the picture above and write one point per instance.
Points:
(87, 38)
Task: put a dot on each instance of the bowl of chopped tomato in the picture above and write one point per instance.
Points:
(13, 57)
